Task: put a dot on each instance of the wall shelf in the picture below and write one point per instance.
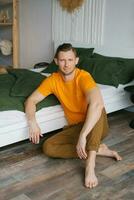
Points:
(9, 31)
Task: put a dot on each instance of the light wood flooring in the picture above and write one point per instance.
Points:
(27, 174)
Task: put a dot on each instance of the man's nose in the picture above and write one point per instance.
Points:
(66, 63)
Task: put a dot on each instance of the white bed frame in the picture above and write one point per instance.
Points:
(55, 119)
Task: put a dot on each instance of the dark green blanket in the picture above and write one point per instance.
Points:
(17, 85)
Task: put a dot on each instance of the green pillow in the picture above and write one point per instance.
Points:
(86, 64)
(6, 82)
(100, 56)
(126, 63)
(52, 67)
(50, 100)
(128, 74)
(26, 82)
(16, 86)
(84, 52)
(6, 101)
(97, 55)
(11, 103)
(107, 72)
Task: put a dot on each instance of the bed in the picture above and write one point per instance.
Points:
(13, 124)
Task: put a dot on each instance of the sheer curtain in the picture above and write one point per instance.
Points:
(83, 25)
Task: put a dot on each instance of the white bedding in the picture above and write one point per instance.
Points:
(13, 120)
(115, 98)
(13, 124)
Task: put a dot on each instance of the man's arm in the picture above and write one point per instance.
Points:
(30, 109)
(94, 111)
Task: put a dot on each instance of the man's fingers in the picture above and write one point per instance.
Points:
(35, 138)
(84, 153)
(81, 154)
(78, 152)
(41, 134)
(34, 133)
(30, 137)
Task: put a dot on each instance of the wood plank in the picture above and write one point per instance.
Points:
(25, 173)
(21, 197)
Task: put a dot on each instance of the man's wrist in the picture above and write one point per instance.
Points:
(32, 122)
(84, 135)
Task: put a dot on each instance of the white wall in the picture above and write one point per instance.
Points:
(35, 32)
(119, 23)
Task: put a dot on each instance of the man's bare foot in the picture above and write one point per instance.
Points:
(105, 151)
(91, 180)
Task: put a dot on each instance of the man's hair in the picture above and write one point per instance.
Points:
(65, 47)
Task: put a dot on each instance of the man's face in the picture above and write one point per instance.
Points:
(66, 62)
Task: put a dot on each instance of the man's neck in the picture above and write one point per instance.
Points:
(69, 77)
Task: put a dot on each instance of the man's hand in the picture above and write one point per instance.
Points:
(34, 133)
(81, 147)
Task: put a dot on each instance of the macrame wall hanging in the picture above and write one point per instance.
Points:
(71, 5)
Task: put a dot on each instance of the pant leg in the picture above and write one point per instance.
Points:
(98, 133)
(63, 144)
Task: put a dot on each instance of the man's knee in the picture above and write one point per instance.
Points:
(48, 148)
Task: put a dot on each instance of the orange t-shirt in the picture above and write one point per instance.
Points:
(71, 94)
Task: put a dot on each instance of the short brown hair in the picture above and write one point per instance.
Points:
(65, 47)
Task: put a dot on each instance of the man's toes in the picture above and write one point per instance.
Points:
(91, 184)
(88, 184)
(95, 184)
(119, 158)
(116, 155)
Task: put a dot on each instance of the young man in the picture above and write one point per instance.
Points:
(84, 109)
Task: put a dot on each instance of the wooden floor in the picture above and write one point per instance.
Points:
(27, 174)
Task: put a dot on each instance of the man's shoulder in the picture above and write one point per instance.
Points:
(54, 75)
(82, 73)
(85, 78)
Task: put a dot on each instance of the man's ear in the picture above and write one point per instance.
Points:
(77, 60)
(56, 61)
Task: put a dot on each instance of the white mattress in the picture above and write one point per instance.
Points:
(13, 124)
(115, 98)
(13, 120)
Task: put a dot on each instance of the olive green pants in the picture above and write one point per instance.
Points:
(63, 144)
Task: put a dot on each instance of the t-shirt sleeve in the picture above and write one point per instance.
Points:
(45, 88)
(87, 82)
